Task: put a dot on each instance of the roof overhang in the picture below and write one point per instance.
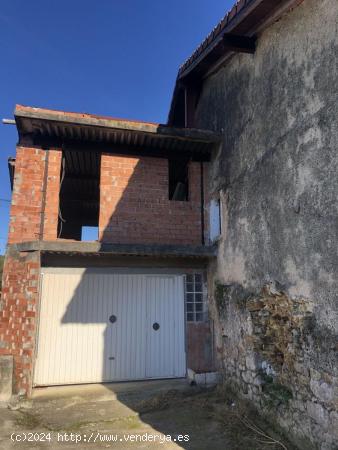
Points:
(97, 248)
(236, 32)
(44, 127)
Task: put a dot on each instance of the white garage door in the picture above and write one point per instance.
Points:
(97, 326)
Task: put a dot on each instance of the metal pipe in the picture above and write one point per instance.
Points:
(202, 203)
(44, 194)
(8, 122)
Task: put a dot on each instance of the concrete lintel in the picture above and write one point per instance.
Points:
(160, 130)
(118, 249)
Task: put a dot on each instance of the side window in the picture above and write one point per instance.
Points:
(195, 298)
(178, 180)
(215, 219)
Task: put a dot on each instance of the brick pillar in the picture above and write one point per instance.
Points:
(18, 314)
(51, 209)
(36, 179)
(25, 213)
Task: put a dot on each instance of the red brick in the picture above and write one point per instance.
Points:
(134, 204)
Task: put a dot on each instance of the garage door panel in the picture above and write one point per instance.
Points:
(71, 334)
(159, 352)
(77, 343)
(125, 340)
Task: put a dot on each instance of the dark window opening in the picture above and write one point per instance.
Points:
(178, 180)
(79, 201)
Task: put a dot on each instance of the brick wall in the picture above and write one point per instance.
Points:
(25, 213)
(199, 347)
(135, 208)
(28, 192)
(35, 178)
(134, 203)
(51, 210)
(18, 304)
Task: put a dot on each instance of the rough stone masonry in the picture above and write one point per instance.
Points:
(274, 285)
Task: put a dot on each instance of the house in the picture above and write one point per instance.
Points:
(114, 308)
(216, 233)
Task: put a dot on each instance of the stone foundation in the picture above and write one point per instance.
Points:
(276, 354)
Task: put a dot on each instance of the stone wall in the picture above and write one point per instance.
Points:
(273, 351)
(275, 281)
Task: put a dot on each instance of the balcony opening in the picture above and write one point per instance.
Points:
(178, 180)
(89, 233)
(79, 195)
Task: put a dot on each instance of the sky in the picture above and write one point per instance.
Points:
(109, 57)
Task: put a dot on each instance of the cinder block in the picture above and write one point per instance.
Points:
(200, 378)
(212, 378)
(6, 378)
(190, 375)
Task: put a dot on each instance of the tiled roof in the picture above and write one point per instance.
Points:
(229, 16)
(243, 20)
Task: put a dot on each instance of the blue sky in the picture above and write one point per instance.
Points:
(110, 57)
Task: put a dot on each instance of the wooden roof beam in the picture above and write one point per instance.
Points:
(239, 44)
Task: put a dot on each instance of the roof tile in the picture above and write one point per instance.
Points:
(239, 5)
(233, 12)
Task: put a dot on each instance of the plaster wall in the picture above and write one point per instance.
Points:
(276, 175)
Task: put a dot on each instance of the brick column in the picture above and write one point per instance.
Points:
(51, 208)
(25, 213)
(18, 314)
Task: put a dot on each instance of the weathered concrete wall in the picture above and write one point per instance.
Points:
(278, 176)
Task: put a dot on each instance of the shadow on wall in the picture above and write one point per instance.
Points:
(135, 206)
(131, 327)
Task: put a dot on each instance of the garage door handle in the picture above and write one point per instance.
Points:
(112, 319)
(156, 326)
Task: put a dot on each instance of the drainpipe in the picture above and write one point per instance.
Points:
(44, 194)
(202, 202)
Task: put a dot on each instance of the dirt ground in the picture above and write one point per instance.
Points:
(145, 415)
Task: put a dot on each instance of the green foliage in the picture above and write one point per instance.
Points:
(267, 379)
(277, 393)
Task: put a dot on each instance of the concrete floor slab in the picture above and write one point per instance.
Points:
(109, 390)
(162, 414)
